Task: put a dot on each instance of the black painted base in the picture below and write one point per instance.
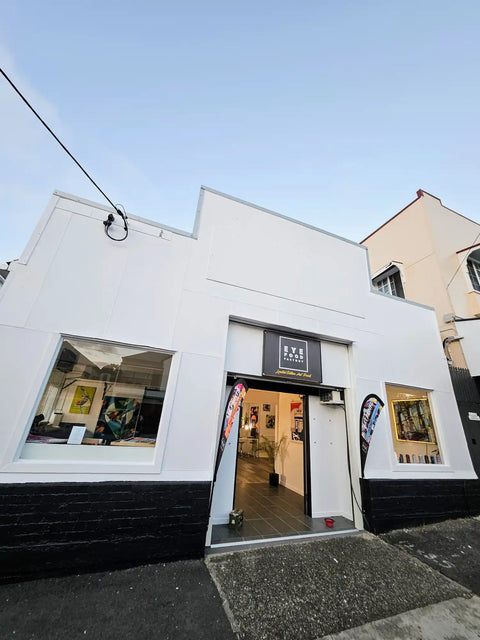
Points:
(59, 529)
(467, 395)
(396, 504)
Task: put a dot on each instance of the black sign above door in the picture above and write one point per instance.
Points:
(292, 358)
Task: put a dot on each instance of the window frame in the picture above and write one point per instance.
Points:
(388, 287)
(473, 271)
(412, 447)
(118, 464)
(392, 278)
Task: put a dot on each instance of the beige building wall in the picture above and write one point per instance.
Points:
(452, 232)
(424, 239)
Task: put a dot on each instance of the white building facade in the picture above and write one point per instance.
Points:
(134, 345)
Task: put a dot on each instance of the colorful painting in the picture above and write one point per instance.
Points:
(118, 418)
(270, 421)
(82, 400)
(413, 420)
(296, 421)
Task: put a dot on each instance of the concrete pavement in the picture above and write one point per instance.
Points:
(457, 619)
(309, 590)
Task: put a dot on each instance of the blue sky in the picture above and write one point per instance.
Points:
(333, 112)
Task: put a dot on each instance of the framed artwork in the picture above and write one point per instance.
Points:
(82, 400)
(118, 418)
(266, 407)
(296, 421)
(253, 417)
(270, 421)
(413, 420)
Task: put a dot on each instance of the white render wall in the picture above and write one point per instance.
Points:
(470, 332)
(167, 290)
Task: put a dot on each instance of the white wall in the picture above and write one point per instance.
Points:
(470, 333)
(245, 348)
(168, 291)
(290, 465)
(328, 461)
(407, 351)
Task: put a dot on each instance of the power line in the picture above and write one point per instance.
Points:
(109, 220)
(462, 261)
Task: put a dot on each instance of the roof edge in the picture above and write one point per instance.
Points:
(281, 215)
(420, 194)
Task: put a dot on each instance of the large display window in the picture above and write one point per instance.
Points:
(102, 394)
(413, 428)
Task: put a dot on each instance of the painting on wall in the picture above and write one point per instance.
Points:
(118, 418)
(266, 407)
(82, 400)
(270, 421)
(413, 420)
(296, 421)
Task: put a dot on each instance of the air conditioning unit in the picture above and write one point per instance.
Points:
(330, 396)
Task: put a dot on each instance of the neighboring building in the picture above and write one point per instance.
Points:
(430, 254)
(116, 362)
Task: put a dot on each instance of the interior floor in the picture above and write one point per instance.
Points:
(269, 512)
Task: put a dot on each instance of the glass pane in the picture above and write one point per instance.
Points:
(413, 429)
(474, 273)
(386, 285)
(100, 393)
(383, 285)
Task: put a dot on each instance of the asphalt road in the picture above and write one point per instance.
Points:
(451, 547)
(176, 601)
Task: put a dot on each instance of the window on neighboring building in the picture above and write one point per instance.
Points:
(413, 428)
(473, 267)
(389, 282)
(102, 394)
(387, 285)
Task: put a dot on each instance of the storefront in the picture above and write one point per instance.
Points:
(290, 404)
(117, 358)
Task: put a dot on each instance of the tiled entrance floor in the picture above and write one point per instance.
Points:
(269, 512)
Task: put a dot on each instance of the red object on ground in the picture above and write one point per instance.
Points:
(329, 522)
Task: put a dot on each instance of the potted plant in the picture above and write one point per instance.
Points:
(272, 448)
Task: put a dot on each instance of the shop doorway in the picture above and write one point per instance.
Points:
(271, 483)
(314, 485)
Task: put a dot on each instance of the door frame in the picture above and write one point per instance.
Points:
(302, 390)
(307, 476)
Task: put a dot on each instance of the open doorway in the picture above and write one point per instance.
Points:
(270, 473)
(313, 492)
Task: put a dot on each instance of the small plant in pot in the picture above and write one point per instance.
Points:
(273, 448)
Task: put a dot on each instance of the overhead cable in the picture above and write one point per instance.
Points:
(110, 218)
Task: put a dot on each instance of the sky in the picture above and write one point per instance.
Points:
(332, 112)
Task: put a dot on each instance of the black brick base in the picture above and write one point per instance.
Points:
(395, 504)
(58, 529)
